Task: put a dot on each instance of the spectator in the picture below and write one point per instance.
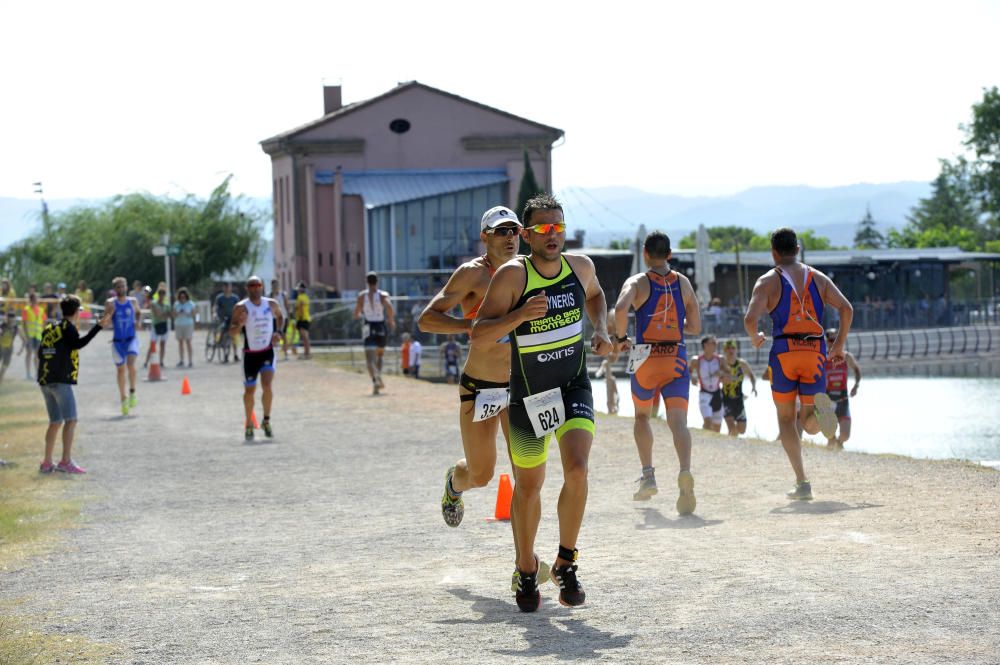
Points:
(160, 315)
(8, 333)
(138, 292)
(404, 354)
(86, 297)
(415, 351)
(184, 325)
(58, 368)
(33, 321)
(8, 293)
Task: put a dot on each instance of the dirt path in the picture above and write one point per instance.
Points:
(327, 545)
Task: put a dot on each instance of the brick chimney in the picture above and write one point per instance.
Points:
(331, 99)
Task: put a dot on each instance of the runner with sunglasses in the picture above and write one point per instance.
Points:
(665, 310)
(539, 300)
(482, 391)
(260, 320)
(796, 295)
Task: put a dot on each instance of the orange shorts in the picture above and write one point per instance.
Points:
(798, 369)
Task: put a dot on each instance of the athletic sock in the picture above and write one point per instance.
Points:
(451, 488)
(647, 471)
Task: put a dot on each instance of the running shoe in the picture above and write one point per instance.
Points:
(381, 383)
(527, 595)
(571, 592)
(69, 467)
(544, 574)
(686, 502)
(647, 488)
(46, 467)
(826, 415)
(248, 433)
(375, 387)
(452, 507)
(131, 400)
(124, 407)
(180, 364)
(267, 428)
(801, 492)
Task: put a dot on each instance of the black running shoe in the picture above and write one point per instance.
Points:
(571, 591)
(527, 595)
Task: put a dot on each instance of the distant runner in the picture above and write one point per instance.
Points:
(706, 372)
(259, 319)
(795, 295)
(451, 356)
(375, 308)
(126, 317)
(734, 370)
(836, 388)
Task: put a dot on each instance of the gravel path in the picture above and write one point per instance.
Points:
(327, 546)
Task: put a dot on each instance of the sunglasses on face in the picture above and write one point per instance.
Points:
(504, 231)
(254, 285)
(558, 227)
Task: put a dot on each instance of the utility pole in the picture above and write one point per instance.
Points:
(46, 227)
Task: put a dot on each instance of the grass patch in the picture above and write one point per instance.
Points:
(21, 645)
(33, 510)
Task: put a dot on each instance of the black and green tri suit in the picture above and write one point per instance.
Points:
(549, 353)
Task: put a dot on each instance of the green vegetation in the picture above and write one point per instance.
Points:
(963, 209)
(867, 236)
(728, 238)
(529, 186)
(116, 238)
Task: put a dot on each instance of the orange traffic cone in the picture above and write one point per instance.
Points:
(154, 364)
(185, 387)
(504, 495)
(253, 420)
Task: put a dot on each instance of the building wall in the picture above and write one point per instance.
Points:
(284, 221)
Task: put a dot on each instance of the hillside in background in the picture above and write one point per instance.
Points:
(614, 213)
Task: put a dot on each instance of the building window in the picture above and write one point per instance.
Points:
(319, 259)
(399, 126)
(331, 260)
(347, 257)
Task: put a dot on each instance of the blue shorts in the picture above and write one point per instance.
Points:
(122, 348)
(59, 402)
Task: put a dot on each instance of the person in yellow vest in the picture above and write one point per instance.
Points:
(7, 295)
(33, 320)
(303, 319)
(86, 297)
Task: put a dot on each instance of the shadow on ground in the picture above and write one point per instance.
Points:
(820, 507)
(552, 631)
(654, 519)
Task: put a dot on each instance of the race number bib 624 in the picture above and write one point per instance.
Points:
(637, 356)
(489, 402)
(546, 411)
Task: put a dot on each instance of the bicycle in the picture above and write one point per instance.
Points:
(218, 341)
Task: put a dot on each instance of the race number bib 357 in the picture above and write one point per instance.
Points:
(637, 356)
(489, 402)
(546, 411)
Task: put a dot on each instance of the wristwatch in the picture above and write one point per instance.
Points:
(621, 339)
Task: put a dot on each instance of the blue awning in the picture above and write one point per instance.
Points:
(381, 188)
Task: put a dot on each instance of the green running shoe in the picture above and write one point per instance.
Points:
(647, 488)
(801, 492)
(124, 407)
(131, 400)
(248, 433)
(267, 428)
(452, 507)
(826, 415)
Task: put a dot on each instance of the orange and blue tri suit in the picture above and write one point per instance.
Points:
(659, 322)
(798, 355)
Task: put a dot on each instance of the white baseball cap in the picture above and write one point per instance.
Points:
(494, 217)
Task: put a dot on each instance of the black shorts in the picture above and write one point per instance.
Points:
(844, 409)
(528, 451)
(376, 334)
(733, 408)
(255, 362)
(302, 325)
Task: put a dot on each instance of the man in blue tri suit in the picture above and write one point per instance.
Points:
(125, 316)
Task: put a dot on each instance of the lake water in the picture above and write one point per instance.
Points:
(932, 418)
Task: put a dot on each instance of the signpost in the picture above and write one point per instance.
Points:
(166, 250)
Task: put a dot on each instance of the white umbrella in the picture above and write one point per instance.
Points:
(704, 269)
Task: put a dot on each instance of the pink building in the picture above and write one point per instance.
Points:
(395, 184)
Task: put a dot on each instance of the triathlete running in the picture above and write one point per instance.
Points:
(734, 370)
(375, 309)
(836, 388)
(260, 320)
(125, 317)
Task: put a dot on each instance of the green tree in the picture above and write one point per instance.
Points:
(96, 243)
(810, 241)
(983, 138)
(948, 217)
(726, 238)
(867, 236)
(529, 186)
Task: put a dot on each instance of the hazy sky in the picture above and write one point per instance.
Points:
(689, 98)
